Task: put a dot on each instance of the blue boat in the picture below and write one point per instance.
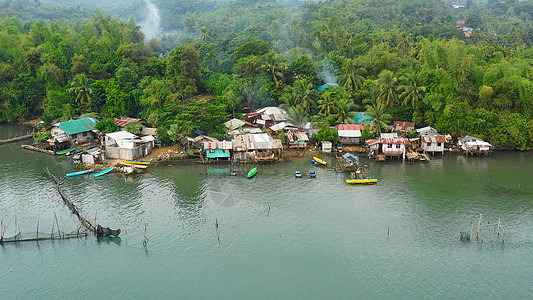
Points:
(297, 174)
(102, 173)
(312, 174)
(70, 175)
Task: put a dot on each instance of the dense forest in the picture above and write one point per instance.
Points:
(397, 60)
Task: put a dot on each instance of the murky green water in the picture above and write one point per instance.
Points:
(280, 237)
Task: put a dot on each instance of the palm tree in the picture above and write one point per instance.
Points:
(327, 103)
(404, 43)
(344, 113)
(350, 77)
(387, 88)
(230, 98)
(297, 116)
(303, 88)
(411, 91)
(289, 98)
(273, 63)
(204, 34)
(379, 119)
(83, 90)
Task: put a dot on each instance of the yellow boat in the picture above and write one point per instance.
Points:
(138, 162)
(361, 181)
(319, 161)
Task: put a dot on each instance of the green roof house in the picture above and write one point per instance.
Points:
(75, 131)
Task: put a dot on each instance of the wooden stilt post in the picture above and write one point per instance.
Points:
(38, 218)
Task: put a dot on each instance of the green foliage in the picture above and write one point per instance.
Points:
(325, 133)
(107, 126)
(41, 136)
(134, 127)
(366, 134)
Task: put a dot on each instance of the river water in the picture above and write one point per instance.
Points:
(278, 237)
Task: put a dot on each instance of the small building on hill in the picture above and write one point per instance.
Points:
(236, 126)
(401, 126)
(66, 134)
(427, 131)
(122, 122)
(267, 116)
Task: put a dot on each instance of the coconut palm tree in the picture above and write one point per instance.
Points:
(404, 43)
(326, 104)
(344, 111)
(304, 88)
(204, 34)
(411, 91)
(387, 83)
(379, 119)
(82, 87)
(297, 116)
(274, 64)
(350, 77)
(230, 98)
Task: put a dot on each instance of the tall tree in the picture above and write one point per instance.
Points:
(82, 87)
(378, 118)
(327, 103)
(412, 92)
(350, 77)
(387, 83)
(274, 64)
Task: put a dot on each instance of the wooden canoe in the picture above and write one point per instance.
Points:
(319, 161)
(102, 173)
(70, 175)
(65, 151)
(252, 173)
(138, 162)
(362, 181)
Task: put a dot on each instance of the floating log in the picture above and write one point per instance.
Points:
(16, 139)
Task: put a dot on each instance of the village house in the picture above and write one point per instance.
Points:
(433, 143)
(297, 138)
(236, 126)
(92, 156)
(472, 145)
(373, 147)
(393, 144)
(69, 133)
(127, 146)
(122, 122)
(427, 131)
(349, 134)
(267, 116)
(219, 150)
(258, 147)
(400, 126)
(283, 126)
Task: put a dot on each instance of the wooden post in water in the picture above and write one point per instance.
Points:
(38, 218)
(145, 240)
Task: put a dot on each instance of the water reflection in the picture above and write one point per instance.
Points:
(108, 240)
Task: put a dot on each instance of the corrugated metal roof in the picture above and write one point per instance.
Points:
(282, 126)
(121, 135)
(77, 126)
(372, 142)
(225, 145)
(403, 126)
(297, 135)
(388, 135)
(205, 137)
(349, 133)
(396, 140)
(260, 141)
(434, 139)
(349, 127)
(123, 121)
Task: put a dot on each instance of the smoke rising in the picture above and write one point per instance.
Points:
(151, 24)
